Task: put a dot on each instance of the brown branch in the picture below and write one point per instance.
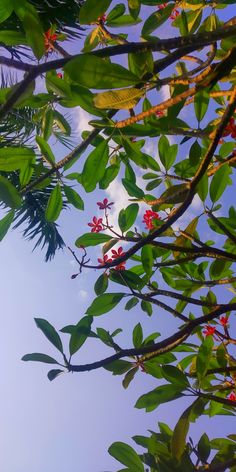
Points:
(179, 296)
(231, 160)
(220, 225)
(211, 283)
(218, 467)
(148, 297)
(159, 348)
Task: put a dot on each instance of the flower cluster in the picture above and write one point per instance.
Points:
(49, 39)
(115, 254)
(210, 330)
(97, 223)
(175, 13)
(148, 218)
(230, 128)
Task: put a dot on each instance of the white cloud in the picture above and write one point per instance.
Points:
(83, 294)
(82, 119)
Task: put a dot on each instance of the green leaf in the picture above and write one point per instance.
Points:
(37, 357)
(101, 284)
(80, 333)
(204, 355)
(34, 32)
(147, 307)
(45, 150)
(118, 99)
(92, 239)
(178, 439)
(127, 217)
(73, 197)
(50, 333)
(54, 205)
(8, 194)
(201, 101)
(156, 19)
(6, 9)
(167, 153)
(131, 303)
(91, 10)
(126, 455)
(104, 303)
(132, 189)
(13, 158)
(52, 374)
(5, 223)
(12, 38)
(129, 377)
(126, 278)
(62, 123)
(147, 259)
(204, 448)
(94, 167)
(47, 124)
(162, 394)
(141, 63)
(118, 367)
(174, 375)
(97, 73)
(219, 183)
(117, 11)
(195, 153)
(137, 336)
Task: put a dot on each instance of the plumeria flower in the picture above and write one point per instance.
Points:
(148, 218)
(209, 330)
(104, 260)
(232, 397)
(120, 266)
(104, 204)
(49, 39)
(59, 75)
(224, 321)
(115, 255)
(159, 113)
(96, 225)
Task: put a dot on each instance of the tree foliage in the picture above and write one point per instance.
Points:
(177, 235)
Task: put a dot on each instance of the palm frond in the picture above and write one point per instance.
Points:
(32, 214)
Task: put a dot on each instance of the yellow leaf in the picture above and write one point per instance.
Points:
(118, 99)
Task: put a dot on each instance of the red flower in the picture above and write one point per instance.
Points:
(49, 39)
(115, 255)
(102, 18)
(104, 204)
(230, 128)
(148, 218)
(59, 75)
(120, 266)
(96, 225)
(159, 113)
(224, 321)
(232, 397)
(209, 330)
(162, 6)
(104, 260)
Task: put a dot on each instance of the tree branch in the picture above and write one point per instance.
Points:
(159, 348)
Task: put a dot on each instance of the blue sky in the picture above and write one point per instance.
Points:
(68, 425)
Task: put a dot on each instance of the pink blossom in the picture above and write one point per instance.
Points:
(104, 204)
(96, 225)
